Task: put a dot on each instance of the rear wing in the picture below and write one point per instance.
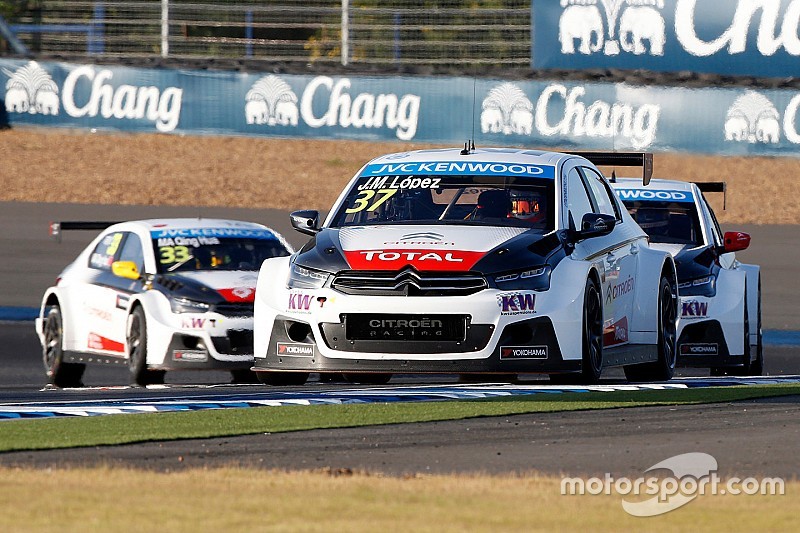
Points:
(57, 227)
(622, 159)
(714, 186)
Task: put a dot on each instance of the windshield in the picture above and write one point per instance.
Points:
(667, 222)
(185, 254)
(433, 200)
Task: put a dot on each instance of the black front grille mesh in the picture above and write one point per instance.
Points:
(408, 282)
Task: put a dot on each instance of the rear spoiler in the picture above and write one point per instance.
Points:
(622, 159)
(57, 227)
(714, 186)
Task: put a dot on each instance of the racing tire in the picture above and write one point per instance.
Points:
(137, 351)
(664, 367)
(746, 367)
(282, 378)
(368, 379)
(59, 373)
(592, 345)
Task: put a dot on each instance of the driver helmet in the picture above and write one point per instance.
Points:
(527, 205)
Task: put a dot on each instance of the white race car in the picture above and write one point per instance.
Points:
(156, 295)
(720, 298)
(470, 262)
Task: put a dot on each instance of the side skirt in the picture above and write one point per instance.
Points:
(94, 359)
(629, 354)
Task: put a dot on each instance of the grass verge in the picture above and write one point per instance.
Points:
(125, 429)
(235, 499)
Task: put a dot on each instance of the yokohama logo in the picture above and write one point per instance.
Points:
(295, 349)
(419, 259)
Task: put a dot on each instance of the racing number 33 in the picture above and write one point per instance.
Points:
(173, 254)
(364, 197)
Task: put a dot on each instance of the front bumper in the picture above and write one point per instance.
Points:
(527, 346)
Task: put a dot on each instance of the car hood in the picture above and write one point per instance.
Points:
(446, 248)
(235, 286)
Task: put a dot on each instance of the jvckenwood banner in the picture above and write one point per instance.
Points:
(737, 37)
(446, 110)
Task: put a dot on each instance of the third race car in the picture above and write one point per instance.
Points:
(720, 297)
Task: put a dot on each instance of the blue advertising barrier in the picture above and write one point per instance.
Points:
(447, 110)
(735, 37)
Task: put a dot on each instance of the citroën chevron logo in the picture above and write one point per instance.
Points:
(271, 101)
(30, 89)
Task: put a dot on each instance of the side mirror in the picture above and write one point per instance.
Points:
(595, 225)
(733, 241)
(125, 269)
(306, 221)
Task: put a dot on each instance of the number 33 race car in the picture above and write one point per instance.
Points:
(156, 295)
(720, 298)
(470, 262)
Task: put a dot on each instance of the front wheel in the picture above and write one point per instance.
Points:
(58, 372)
(664, 367)
(757, 366)
(592, 340)
(137, 351)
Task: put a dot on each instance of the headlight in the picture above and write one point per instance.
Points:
(535, 279)
(305, 278)
(184, 305)
(705, 286)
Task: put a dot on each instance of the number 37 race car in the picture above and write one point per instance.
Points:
(466, 262)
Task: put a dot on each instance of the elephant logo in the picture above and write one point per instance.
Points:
(31, 90)
(271, 101)
(628, 25)
(507, 110)
(752, 118)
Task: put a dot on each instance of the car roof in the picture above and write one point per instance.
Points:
(510, 155)
(655, 184)
(191, 223)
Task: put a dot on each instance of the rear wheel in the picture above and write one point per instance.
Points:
(664, 367)
(592, 335)
(137, 351)
(282, 378)
(58, 372)
(757, 366)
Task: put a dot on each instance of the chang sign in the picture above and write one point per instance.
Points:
(740, 37)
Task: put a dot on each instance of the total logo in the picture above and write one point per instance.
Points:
(507, 110)
(272, 102)
(89, 92)
(420, 259)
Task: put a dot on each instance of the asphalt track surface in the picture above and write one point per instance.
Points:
(747, 438)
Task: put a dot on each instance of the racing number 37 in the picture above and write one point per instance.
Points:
(364, 197)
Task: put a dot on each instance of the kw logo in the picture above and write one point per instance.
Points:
(513, 304)
(693, 308)
(300, 302)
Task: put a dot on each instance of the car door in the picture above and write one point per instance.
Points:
(105, 300)
(618, 255)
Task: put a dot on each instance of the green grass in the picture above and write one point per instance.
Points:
(123, 429)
